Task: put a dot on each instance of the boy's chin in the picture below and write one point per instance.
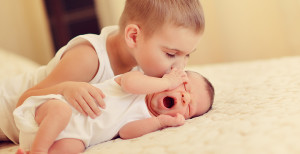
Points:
(154, 74)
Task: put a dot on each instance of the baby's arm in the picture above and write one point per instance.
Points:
(138, 83)
(141, 127)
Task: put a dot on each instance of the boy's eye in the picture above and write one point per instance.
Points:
(170, 55)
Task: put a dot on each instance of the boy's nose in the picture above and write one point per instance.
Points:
(186, 98)
(179, 64)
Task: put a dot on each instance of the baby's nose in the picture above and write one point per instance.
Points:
(186, 98)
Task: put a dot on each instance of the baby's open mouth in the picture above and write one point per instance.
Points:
(168, 102)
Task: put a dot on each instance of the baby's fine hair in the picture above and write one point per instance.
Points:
(209, 88)
(150, 15)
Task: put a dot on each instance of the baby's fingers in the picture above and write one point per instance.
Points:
(180, 119)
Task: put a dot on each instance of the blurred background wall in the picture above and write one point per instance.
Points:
(24, 29)
(235, 30)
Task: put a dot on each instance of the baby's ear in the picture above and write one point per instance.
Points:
(131, 33)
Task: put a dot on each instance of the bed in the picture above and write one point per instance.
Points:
(256, 110)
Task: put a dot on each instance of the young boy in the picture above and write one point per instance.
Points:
(155, 35)
(136, 105)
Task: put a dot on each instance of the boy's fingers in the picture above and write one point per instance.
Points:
(184, 73)
(20, 151)
(100, 92)
(185, 80)
(101, 103)
(77, 107)
(98, 96)
(92, 104)
(84, 105)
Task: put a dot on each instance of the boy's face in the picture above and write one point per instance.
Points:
(189, 99)
(165, 49)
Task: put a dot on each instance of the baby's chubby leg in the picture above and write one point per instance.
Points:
(67, 145)
(52, 117)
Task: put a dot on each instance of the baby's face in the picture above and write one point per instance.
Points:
(190, 99)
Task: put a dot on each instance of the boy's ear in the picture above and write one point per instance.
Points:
(131, 34)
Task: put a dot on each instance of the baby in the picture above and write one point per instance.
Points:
(136, 104)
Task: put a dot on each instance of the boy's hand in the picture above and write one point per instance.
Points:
(84, 97)
(21, 151)
(169, 121)
(176, 77)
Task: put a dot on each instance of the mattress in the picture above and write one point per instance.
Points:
(256, 110)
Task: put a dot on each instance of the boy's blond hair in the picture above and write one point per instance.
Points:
(150, 15)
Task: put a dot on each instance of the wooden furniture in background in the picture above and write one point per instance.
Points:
(69, 18)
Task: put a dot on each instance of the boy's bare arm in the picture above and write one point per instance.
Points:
(141, 127)
(68, 69)
(138, 83)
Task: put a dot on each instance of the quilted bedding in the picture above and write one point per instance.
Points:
(256, 110)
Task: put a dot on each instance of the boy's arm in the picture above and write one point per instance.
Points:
(141, 127)
(138, 83)
(82, 95)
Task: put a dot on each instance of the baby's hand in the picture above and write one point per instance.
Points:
(176, 77)
(84, 97)
(169, 121)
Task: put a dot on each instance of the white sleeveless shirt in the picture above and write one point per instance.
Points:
(13, 88)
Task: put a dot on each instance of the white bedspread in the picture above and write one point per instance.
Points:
(256, 110)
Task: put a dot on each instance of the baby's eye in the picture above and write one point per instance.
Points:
(187, 113)
(185, 87)
(187, 56)
(189, 108)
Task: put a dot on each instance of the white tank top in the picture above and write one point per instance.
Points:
(13, 88)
